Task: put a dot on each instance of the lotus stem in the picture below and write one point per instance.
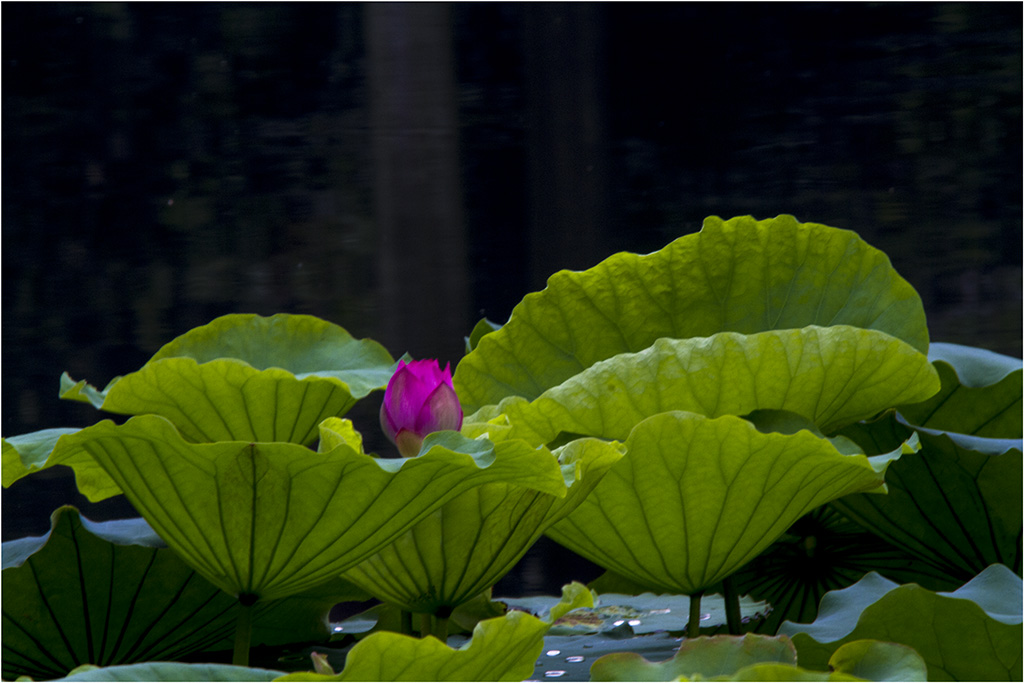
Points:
(441, 629)
(405, 622)
(693, 628)
(243, 630)
(426, 625)
(732, 606)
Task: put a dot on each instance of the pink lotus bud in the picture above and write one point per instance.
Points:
(420, 399)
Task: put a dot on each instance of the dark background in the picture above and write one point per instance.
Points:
(403, 170)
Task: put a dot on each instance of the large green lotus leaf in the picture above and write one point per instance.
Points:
(980, 394)
(703, 656)
(272, 519)
(971, 634)
(465, 546)
(830, 375)
(502, 649)
(739, 275)
(112, 592)
(696, 498)
(172, 671)
(28, 453)
(249, 378)
(955, 505)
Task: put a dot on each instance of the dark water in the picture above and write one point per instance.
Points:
(403, 170)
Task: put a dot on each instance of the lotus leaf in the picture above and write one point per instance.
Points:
(111, 593)
(971, 634)
(272, 519)
(246, 377)
(980, 394)
(762, 658)
(473, 540)
(27, 453)
(501, 649)
(955, 505)
(173, 671)
(739, 275)
(830, 375)
(696, 498)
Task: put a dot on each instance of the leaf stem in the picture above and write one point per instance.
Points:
(732, 606)
(405, 622)
(693, 628)
(425, 625)
(243, 630)
(441, 629)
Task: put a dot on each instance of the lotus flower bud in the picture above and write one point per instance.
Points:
(420, 399)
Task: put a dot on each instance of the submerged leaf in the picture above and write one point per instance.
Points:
(740, 275)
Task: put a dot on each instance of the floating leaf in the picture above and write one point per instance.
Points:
(111, 592)
(762, 658)
(739, 275)
(174, 671)
(502, 649)
(830, 375)
(971, 634)
(473, 540)
(874, 660)
(980, 394)
(703, 656)
(696, 498)
(246, 377)
(273, 519)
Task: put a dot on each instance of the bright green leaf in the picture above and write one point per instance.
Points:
(249, 378)
(704, 657)
(27, 453)
(502, 649)
(696, 498)
(335, 431)
(273, 519)
(739, 275)
(476, 538)
(830, 375)
(971, 634)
